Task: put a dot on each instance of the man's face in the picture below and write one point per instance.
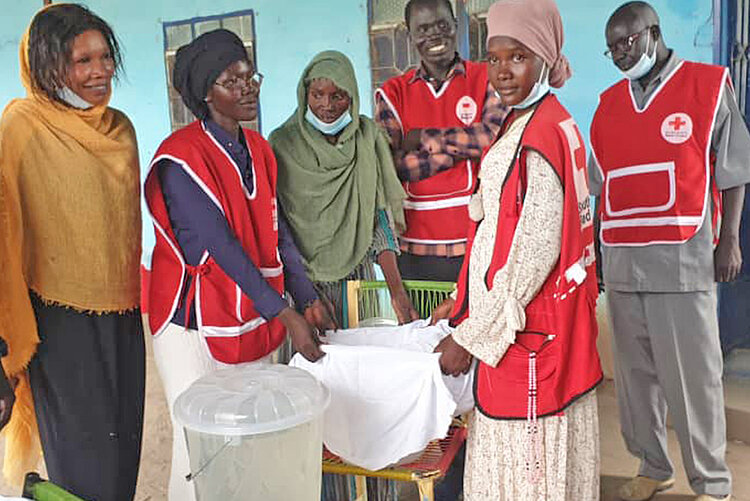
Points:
(433, 31)
(628, 39)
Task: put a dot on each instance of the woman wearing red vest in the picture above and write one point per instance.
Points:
(526, 293)
(223, 253)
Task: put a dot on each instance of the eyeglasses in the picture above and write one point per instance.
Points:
(625, 43)
(236, 83)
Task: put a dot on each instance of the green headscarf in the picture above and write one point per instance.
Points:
(329, 193)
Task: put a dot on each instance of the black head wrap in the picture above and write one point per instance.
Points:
(199, 63)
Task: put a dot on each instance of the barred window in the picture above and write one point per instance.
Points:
(391, 52)
(179, 33)
(478, 36)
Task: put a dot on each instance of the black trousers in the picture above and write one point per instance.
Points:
(413, 267)
(87, 379)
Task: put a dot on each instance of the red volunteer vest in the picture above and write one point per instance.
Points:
(656, 163)
(234, 330)
(540, 375)
(436, 208)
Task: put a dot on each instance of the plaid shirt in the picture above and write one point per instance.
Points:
(440, 148)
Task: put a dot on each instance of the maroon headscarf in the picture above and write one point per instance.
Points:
(537, 25)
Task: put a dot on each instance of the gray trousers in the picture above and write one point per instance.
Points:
(668, 356)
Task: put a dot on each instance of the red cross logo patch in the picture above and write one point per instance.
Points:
(677, 128)
(466, 110)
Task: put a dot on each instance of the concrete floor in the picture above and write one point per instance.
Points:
(617, 464)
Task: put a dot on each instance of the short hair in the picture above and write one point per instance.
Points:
(635, 8)
(50, 45)
(412, 4)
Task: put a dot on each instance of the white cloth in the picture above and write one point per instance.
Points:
(388, 396)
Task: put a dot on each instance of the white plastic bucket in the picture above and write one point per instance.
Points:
(254, 432)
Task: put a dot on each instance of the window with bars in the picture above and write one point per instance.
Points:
(391, 52)
(179, 33)
(476, 11)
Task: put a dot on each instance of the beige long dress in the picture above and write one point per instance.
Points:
(505, 460)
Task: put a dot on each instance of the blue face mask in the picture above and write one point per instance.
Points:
(538, 91)
(644, 64)
(329, 129)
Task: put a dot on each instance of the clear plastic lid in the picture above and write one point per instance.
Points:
(251, 399)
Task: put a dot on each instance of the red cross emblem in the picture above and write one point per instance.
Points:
(677, 128)
(466, 110)
(677, 123)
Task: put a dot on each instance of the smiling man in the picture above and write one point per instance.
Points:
(438, 117)
(669, 166)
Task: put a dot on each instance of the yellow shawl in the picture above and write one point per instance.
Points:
(70, 230)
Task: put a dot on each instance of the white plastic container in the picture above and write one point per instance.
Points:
(254, 432)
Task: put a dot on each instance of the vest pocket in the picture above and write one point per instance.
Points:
(515, 362)
(639, 189)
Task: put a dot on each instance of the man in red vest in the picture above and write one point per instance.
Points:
(439, 117)
(669, 166)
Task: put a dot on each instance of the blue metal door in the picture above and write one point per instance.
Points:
(731, 40)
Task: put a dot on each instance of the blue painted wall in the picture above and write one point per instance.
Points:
(290, 32)
(12, 22)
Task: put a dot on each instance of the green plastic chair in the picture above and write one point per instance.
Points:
(372, 299)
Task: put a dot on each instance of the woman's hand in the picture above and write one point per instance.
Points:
(443, 310)
(304, 337)
(405, 311)
(7, 398)
(454, 359)
(400, 301)
(320, 315)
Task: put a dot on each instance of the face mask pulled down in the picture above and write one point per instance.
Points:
(538, 91)
(329, 129)
(644, 64)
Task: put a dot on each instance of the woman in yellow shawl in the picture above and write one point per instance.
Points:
(70, 231)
